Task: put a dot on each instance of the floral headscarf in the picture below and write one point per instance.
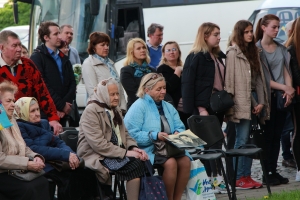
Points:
(22, 106)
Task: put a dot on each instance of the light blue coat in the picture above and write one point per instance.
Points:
(143, 118)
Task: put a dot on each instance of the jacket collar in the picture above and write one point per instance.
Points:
(221, 55)
(96, 62)
(43, 49)
(239, 52)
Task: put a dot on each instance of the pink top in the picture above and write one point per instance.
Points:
(218, 83)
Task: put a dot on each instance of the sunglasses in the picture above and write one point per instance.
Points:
(153, 77)
(169, 50)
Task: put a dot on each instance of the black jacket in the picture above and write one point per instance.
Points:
(173, 82)
(295, 69)
(60, 92)
(197, 81)
(130, 83)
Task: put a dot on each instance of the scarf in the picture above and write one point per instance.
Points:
(22, 107)
(110, 66)
(140, 70)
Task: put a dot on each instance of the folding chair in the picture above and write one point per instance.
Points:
(209, 129)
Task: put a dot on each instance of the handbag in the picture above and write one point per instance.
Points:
(63, 165)
(220, 101)
(74, 114)
(278, 95)
(256, 135)
(25, 175)
(199, 185)
(152, 187)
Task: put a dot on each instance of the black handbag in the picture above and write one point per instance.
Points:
(220, 101)
(256, 135)
(63, 165)
(25, 175)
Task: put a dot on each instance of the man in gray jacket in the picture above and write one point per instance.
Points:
(66, 34)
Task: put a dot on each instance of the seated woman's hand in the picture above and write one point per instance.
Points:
(161, 135)
(73, 161)
(135, 154)
(38, 159)
(35, 166)
(144, 155)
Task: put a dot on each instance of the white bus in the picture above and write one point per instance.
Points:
(124, 19)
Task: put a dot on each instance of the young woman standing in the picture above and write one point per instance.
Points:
(275, 62)
(245, 82)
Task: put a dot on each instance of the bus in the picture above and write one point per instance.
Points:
(125, 19)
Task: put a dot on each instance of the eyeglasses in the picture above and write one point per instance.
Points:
(169, 50)
(153, 77)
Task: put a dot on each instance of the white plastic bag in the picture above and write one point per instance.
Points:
(199, 187)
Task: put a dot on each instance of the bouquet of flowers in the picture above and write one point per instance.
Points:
(77, 72)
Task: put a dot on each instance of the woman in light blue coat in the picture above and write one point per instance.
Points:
(150, 118)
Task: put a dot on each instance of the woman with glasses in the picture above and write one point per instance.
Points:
(136, 66)
(202, 75)
(170, 67)
(149, 119)
(98, 66)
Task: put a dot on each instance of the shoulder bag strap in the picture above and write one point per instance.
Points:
(222, 79)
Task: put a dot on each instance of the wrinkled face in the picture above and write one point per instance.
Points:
(12, 49)
(156, 38)
(24, 53)
(102, 49)
(34, 113)
(139, 52)
(8, 102)
(65, 49)
(113, 92)
(248, 34)
(271, 29)
(213, 39)
(158, 91)
(67, 34)
(53, 39)
(171, 52)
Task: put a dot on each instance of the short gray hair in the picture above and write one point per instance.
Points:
(152, 28)
(65, 25)
(148, 82)
(7, 33)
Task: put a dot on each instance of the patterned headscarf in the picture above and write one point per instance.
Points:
(22, 106)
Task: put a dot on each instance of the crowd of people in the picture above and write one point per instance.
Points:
(118, 135)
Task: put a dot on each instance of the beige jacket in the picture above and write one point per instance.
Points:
(238, 83)
(93, 71)
(8, 162)
(94, 144)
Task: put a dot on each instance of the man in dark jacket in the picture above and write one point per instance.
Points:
(56, 69)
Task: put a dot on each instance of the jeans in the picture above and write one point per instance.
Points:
(241, 138)
(286, 139)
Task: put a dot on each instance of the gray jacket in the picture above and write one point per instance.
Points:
(73, 56)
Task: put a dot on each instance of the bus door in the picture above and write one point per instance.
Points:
(124, 21)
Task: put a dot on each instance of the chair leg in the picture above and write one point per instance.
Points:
(100, 190)
(225, 178)
(123, 191)
(115, 189)
(234, 179)
(265, 173)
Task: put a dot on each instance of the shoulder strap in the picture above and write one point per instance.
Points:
(220, 74)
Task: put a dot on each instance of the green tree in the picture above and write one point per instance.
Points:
(7, 17)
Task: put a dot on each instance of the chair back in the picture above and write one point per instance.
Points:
(207, 128)
(70, 137)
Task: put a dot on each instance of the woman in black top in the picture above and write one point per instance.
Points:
(171, 68)
(136, 66)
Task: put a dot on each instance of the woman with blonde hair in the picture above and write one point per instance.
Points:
(136, 66)
(203, 74)
(149, 119)
(171, 68)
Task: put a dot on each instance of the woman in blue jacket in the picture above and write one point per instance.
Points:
(38, 136)
(152, 119)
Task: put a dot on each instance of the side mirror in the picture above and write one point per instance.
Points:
(119, 32)
(15, 11)
(94, 7)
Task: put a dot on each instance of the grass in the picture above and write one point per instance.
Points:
(284, 195)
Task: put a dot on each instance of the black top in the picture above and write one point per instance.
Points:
(130, 83)
(295, 68)
(173, 82)
(61, 92)
(197, 80)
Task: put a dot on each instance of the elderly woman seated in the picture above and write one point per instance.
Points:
(72, 184)
(152, 119)
(104, 142)
(14, 154)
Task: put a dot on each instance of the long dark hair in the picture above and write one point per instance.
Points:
(295, 38)
(250, 50)
(259, 33)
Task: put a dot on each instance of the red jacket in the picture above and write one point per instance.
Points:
(30, 84)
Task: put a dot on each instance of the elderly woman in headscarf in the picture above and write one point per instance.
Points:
(72, 184)
(104, 142)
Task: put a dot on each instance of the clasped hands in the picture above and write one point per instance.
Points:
(137, 153)
(36, 165)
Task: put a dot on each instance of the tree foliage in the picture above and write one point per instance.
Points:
(7, 17)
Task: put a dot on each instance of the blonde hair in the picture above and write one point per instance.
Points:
(7, 86)
(163, 59)
(148, 82)
(200, 44)
(130, 47)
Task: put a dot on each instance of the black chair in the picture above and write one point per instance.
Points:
(209, 129)
(70, 137)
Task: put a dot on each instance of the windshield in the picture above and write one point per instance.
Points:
(73, 12)
(285, 15)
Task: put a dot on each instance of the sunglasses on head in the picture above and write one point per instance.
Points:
(153, 77)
